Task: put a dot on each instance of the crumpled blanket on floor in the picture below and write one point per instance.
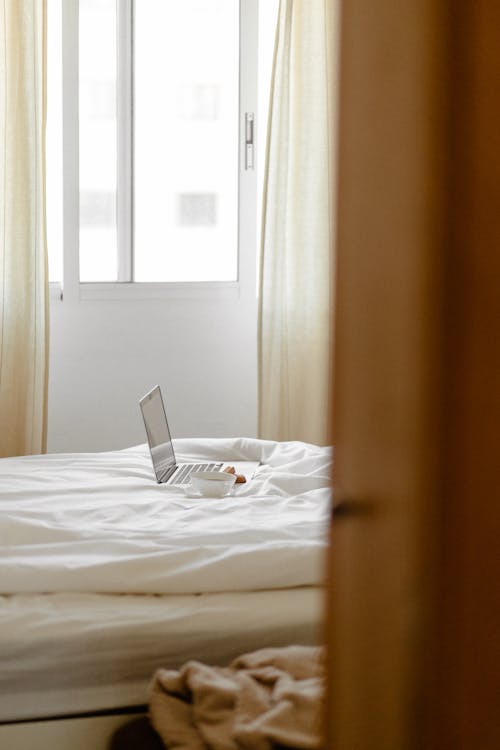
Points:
(262, 700)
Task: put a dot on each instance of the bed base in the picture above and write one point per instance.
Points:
(123, 729)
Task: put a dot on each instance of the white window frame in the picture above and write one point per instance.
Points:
(76, 290)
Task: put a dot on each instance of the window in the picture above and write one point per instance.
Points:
(156, 95)
(54, 141)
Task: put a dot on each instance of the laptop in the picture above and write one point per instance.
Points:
(165, 466)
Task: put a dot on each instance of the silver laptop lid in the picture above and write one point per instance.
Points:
(159, 439)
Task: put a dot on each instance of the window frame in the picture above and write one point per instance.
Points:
(124, 288)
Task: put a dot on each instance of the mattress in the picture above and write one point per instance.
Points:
(106, 575)
(66, 654)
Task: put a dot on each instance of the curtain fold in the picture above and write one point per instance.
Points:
(297, 263)
(23, 254)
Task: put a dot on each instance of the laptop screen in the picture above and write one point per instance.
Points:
(160, 442)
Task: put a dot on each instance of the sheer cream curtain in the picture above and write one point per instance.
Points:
(23, 257)
(297, 261)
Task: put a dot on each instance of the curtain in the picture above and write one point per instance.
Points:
(296, 271)
(23, 256)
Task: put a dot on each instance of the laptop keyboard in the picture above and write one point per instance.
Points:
(182, 475)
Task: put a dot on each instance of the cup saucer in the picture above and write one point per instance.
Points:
(190, 492)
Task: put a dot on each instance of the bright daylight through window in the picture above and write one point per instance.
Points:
(159, 127)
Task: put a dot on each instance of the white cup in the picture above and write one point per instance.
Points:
(212, 483)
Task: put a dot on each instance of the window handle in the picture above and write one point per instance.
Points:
(249, 144)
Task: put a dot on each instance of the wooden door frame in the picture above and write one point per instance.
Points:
(412, 611)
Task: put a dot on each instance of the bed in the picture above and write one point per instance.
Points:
(106, 575)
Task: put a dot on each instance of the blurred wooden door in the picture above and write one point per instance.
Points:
(414, 605)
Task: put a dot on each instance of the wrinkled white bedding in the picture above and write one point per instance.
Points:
(99, 522)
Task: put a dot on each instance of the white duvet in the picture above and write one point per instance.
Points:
(98, 522)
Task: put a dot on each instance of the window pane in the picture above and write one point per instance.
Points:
(186, 69)
(97, 114)
(54, 142)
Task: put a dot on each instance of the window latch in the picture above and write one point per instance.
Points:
(249, 144)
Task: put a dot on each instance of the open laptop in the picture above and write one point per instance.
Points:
(166, 468)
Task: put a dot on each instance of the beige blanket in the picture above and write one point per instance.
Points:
(268, 698)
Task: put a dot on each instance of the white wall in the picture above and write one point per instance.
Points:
(104, 355)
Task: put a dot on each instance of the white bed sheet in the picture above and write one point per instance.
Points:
(99, 523)
(106, 575)
(65, 654)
